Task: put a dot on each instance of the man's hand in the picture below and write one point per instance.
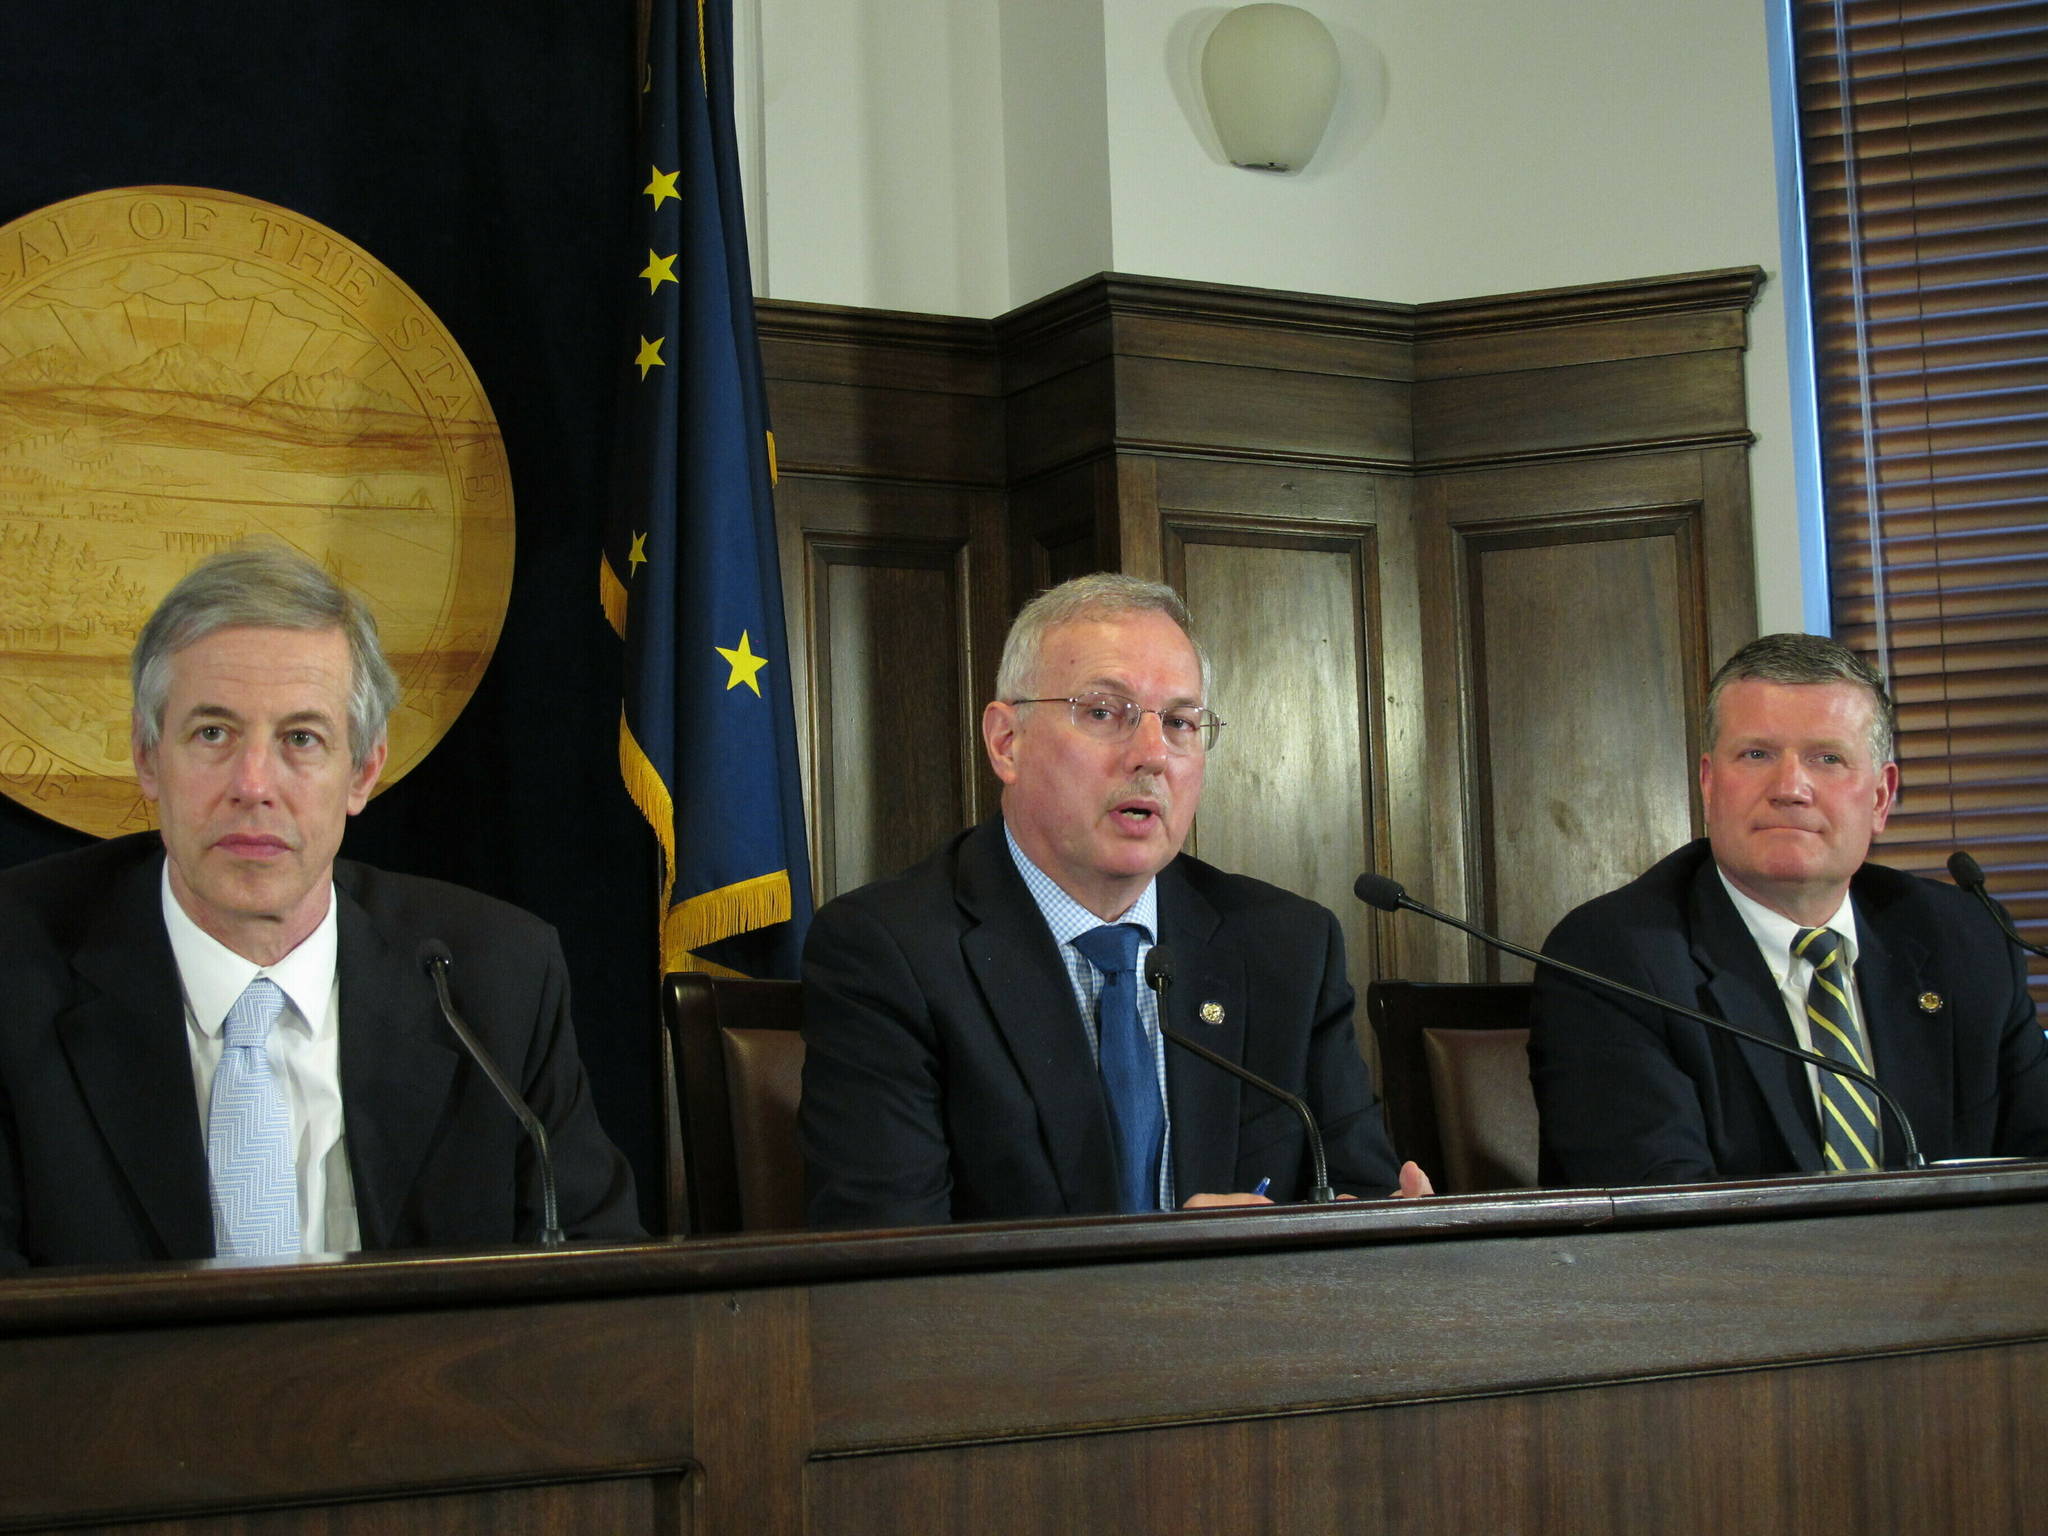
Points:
(1414, 1183)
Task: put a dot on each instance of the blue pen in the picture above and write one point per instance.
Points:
(1264, 1185)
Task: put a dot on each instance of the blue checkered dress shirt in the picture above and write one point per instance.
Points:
(1068, 919)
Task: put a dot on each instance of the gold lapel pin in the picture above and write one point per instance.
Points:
(1211, 1013)
(1930, 1002)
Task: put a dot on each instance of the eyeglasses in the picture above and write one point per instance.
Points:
(1111, 717)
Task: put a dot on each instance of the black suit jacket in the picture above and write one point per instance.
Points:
(1630, 1095)
(101, 1158)
(948, 1075)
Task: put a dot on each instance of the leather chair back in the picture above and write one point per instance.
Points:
(1481, 1106)
(1485, 1111)
(734, 1069)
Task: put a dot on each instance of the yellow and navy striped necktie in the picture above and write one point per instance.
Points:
(1849, 1126)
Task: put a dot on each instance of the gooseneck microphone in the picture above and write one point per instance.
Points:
(1159, 976)
(435, 960)
(1388, 896)
(1967, 873)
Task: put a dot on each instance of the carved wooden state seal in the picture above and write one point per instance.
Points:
(182, 370)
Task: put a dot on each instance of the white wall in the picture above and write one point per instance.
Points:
(883, 147)
(966, 156)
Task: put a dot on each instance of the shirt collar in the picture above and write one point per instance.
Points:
(1776, 933)
(1066, 917)
(214, 976)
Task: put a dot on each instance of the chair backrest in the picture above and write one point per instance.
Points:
(1402, 1012)
(734, 1065)
(1485, 1111)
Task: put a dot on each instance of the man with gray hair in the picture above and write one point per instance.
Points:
(1775, 923)
(217, 1040)
(979, 1043)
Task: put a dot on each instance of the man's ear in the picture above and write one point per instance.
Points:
(999, 727)
(1887, 796)
(364, 779)
(143, 757)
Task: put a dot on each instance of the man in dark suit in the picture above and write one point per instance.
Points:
(139, 1117)
(1775, 923)
(967, 1056)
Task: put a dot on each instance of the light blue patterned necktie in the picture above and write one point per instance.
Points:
(249, 1136)
(1129, 1074)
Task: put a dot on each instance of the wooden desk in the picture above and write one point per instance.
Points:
(1858, 1354)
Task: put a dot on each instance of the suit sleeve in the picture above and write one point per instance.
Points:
(1339, 1086)
(2022, 1072)
(593, 1184)
(11, 1255)
(871, 1118)
(1614, 1105)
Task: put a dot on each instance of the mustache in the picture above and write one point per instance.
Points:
(1143, 786)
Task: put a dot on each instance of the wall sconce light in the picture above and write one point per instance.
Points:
(1270, 75)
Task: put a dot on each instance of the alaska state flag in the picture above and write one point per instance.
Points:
(689, 575)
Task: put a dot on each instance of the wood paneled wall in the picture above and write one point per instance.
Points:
(1465, 568)
(1582, 492)
(891, 514)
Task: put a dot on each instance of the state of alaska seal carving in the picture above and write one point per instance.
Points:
(182, 370)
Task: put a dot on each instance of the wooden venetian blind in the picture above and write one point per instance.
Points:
(1924, 129)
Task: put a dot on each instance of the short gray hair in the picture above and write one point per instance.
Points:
(1801, 659)
(1105, 594)
(260, 587)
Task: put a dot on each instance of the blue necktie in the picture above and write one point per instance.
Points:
(249, 1136)
(1129, 1076)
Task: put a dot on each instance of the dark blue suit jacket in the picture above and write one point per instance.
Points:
(948, 1076)
(1630, 1095)
(101, 1159)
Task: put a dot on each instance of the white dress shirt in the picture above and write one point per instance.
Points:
(304, 1053)
(1775, 934)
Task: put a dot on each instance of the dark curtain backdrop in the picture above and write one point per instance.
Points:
(480, 149)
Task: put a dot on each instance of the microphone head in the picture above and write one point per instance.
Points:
(1158, 967)
(432, 952)
(1378, 891)
(1965, 871)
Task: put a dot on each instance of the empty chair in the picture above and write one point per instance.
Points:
(734, 1061)
(1455, 1067)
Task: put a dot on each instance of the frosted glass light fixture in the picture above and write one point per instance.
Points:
(1270, 75)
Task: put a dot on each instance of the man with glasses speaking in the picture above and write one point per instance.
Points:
(981, 1043)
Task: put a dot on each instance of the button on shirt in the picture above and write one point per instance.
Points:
(1774, 934)
(304, 1053)
(1068, 920)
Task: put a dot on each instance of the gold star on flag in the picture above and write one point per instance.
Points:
(650, 355)
(637, 555)
(659, 270)
(663, 186)
(745, 665)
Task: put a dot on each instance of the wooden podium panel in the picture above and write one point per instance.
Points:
(1858, 1355)
(1914, 1444)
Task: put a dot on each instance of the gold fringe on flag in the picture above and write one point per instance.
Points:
(612, 593)
(644, 785)
(714, 915)
(719, 914)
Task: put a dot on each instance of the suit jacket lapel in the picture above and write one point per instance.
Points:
(1205, 1099)
(1023, 983)
(1910, 1048)
(1746, 997)
(397, 1061)
(125, 1039)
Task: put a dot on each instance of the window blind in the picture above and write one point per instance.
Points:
(1924, 138)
